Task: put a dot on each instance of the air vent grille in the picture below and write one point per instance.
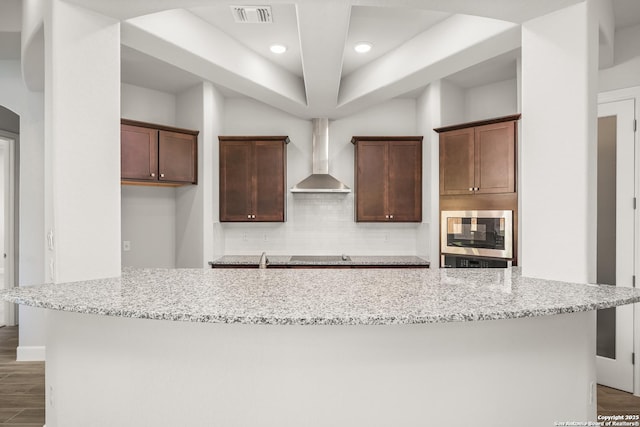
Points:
(252, 14)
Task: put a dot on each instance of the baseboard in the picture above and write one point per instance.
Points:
(35, 353)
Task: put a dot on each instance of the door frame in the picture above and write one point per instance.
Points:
(10, 241)
(632, 93)
(618, 372)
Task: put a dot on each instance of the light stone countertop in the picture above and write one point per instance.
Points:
(322, 297)
(285, 260)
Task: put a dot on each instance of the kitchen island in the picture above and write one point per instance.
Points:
(288, 347)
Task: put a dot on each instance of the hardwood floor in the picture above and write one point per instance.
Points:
(616, 402)
(21, 385)
(22, 390)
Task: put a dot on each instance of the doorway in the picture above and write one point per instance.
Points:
(616, 240)
(7, 224)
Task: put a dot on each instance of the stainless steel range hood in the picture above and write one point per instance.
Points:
(320, 181)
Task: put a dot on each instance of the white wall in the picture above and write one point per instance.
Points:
(428, 116)
(492, 100)
(148, 214)
(147, 105)
(148, 223)
(320, 223)
(82, 153)
(452, 104)
(626, 70)
(558, 144)
(199, 108)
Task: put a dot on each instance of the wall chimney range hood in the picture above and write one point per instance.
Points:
(320, 181)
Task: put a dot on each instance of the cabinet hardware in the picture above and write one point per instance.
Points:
(391, 216)
(153, 174)
(477, 189)
(161, 175)
(386, 216)
(253, 216)
(470, 188)
(249, 216)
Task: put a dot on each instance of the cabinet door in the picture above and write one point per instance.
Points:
(235, 180)
(495, 158)
(371, 181)
(138, 153)
(405, 181)
(457, 168)
(177, 157)
(269, 181)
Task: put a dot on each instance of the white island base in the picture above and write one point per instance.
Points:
(111, 371)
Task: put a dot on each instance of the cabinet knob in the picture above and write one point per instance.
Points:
(249, 216)
(152, 174)
(386, 216)
(161, 175)
(253, 216)
(391, 216)
(470, 188)
(477, 188)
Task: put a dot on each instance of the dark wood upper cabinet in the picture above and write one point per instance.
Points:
(457, 162)
(138, 153)
(153, 154)
(252, 178)
(388, 178)
(478, 157)
(177, 153)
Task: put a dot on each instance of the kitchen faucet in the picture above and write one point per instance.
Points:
(263, 260)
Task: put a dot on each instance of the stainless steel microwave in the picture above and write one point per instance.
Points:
(482, 233)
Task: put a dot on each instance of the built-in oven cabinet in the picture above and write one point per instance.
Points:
(486, 233)
(478, 171)
(478, 157)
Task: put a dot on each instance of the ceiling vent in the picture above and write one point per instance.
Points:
(252, 14)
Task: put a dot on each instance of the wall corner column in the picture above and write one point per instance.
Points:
(558, 149)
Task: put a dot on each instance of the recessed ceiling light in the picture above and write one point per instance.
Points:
(362, 47)
(278, 48)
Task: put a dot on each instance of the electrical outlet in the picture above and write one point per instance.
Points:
(244, 237)
(52, 270)
(126, 245)
(265, 237)
(386, 237)
(50, 240)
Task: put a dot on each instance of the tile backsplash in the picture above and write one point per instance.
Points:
(323, 224)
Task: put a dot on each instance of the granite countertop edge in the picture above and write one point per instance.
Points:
(322, 297)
